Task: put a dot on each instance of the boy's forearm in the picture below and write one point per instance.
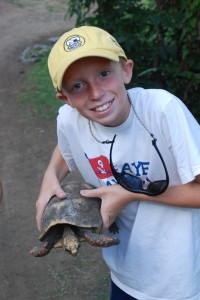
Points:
(186, 195)
(54, 174)
(57, 165)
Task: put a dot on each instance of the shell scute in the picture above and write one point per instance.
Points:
(75, 209)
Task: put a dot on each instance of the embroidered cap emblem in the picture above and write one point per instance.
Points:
(73, 42)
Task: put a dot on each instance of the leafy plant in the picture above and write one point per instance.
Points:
(162, 37)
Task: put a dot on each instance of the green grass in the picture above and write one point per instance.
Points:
(40, 93)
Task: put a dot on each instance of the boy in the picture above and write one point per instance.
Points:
(141, 149)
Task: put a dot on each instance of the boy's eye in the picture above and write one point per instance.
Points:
(104, 73)
(77, 86)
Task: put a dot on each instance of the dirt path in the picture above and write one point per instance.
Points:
(26, 146)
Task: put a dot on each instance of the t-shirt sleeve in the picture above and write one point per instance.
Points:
(182, 132)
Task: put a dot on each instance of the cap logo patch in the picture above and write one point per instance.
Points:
(73, 42)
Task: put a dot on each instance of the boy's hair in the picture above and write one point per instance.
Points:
(85, 41)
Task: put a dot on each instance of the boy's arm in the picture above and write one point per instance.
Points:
(115, 198)
(54, 174)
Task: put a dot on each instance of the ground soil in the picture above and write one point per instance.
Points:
(27, 142)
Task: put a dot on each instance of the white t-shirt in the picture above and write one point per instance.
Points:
(159, 253)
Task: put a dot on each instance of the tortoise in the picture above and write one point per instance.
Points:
(68, 222)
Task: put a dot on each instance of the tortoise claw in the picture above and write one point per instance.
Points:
(114, 228)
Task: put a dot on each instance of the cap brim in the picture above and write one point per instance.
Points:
(102, 53)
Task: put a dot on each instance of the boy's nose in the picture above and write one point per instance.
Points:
(96, 92)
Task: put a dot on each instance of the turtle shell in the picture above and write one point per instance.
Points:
(75, 209)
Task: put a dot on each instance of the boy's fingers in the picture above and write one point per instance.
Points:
(41, 205)
(60, 193)
(39, 214)
(105, 222)
(107, 217)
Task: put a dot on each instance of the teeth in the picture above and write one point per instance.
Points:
(104, 107)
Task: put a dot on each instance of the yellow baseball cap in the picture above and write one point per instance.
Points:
(81, 42)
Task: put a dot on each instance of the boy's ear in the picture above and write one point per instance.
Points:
(62, 97)
(128, 70)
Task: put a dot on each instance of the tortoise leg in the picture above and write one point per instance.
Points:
(70, 240)
(44, 247)
(99, 240)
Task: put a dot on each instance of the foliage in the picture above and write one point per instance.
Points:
(161, 36)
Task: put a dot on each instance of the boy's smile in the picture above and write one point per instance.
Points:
(95, 87)
(104, 106)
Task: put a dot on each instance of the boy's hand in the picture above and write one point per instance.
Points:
(113, 201)
(43, 199)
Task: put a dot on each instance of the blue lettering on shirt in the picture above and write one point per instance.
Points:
(141, 168)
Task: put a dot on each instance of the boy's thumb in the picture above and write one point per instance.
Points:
(89, 193)
(60, 193)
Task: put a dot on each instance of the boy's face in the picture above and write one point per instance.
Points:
(95, 87)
